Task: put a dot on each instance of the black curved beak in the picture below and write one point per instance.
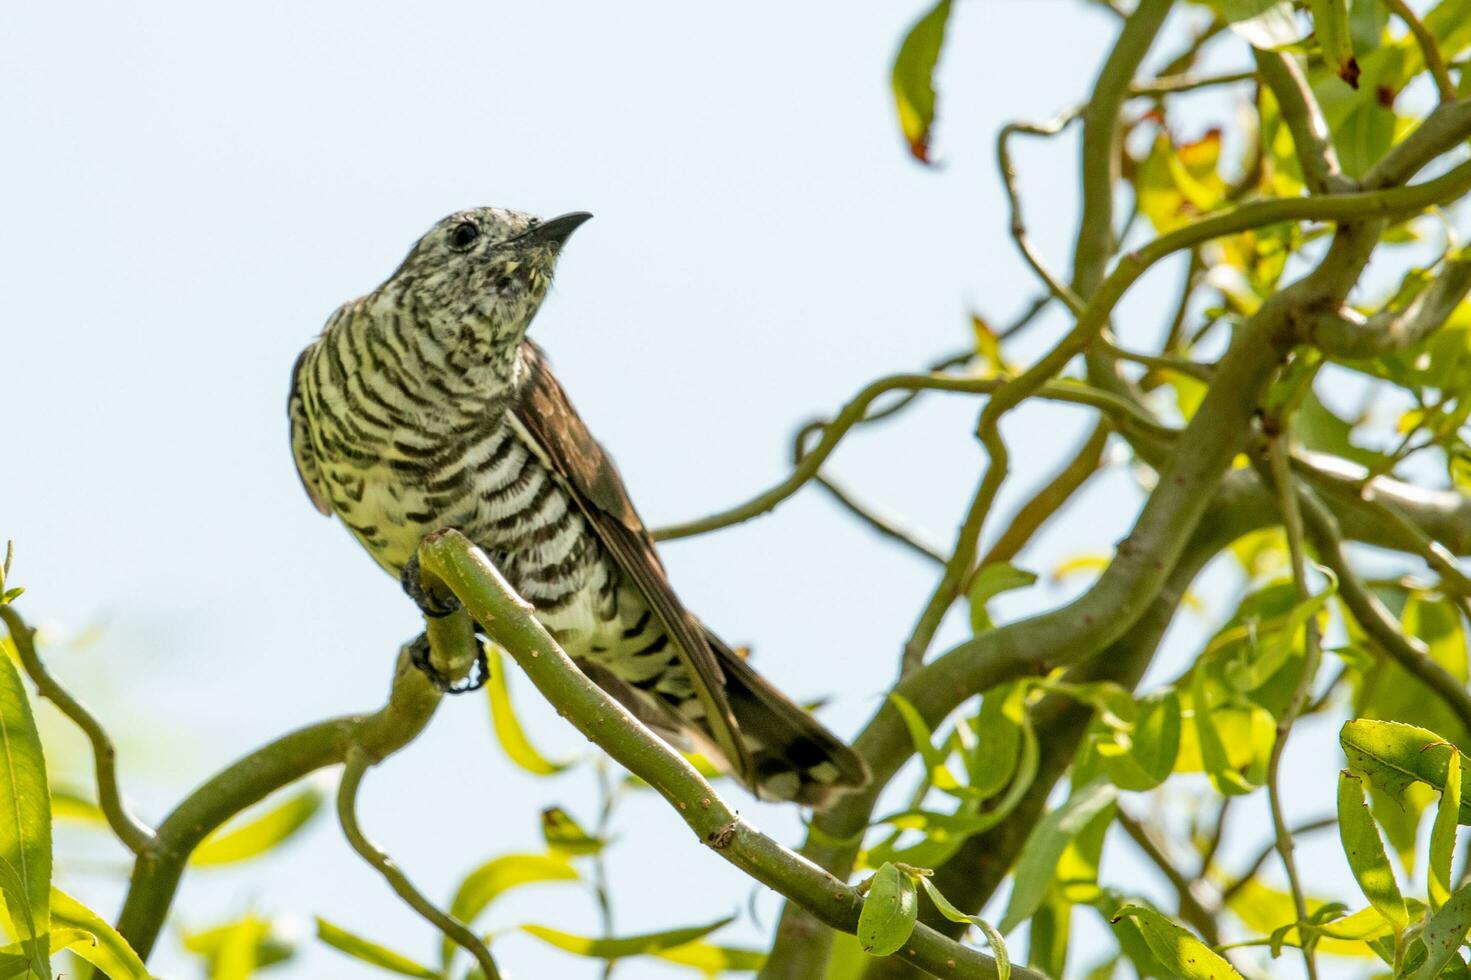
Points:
(557, 230)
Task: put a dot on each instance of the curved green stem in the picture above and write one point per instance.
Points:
(134, 833)
(358, 762)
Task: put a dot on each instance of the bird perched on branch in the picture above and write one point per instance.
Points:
(422, 405)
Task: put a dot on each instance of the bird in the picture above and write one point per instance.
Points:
(423, 405)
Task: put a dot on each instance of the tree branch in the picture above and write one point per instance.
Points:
(135, 835)
(1434, 60)
(353, 771)
(1304, 120)
(852, 413)
(509, 621)
(1346, 335)
(157, 871)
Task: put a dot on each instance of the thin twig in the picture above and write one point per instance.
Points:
(1170, 84)
(1191, 908)
(135, 835)
(1231, 890)
(358, 762)
(608, 789)
(1278, 454)
(1049, 499)
(1377, 621)
(862, 511)
(878, 522)
(1071, 392)
(1434, 60)
(1054, 283)
(1163, 362)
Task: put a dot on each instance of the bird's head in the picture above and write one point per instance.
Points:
(477, 278)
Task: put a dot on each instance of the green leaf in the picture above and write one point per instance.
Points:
(615, 949)
(371, 953)
(1044, 847)
(25, 817)
(1213, 755)
(497, 876)
(1176, 947)
(919, 734)
(1175, 184)
(1266, 24)
(1444, 933)
(992, 580)
(68, 804)
(949, 911)
(1330, 23)
(889, 912)
(848, 960)
(1443, 833)
(914, 78)
(239, 948)
(1153, 746)
(260, 834)
(108, 951)
(1365, 851)
(998, 732)
(712, 960)
(1394, 755)
(1049, 934)
(565, 835)
(508, 729)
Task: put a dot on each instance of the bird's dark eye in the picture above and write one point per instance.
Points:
(463, 236)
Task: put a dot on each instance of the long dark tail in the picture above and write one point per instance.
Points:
(792, 756)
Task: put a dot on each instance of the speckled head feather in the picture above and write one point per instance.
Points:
(477, 278)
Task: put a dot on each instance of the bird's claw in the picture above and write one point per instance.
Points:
(429, 604)
(474, 681)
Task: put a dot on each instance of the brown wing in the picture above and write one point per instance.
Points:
(571, 451)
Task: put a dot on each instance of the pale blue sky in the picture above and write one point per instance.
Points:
(190, 189)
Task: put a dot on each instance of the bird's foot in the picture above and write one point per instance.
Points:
(429, 604)
(474, 681)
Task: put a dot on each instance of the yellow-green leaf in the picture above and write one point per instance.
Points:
(647, 944)
(238, 948)
(920, 735)
(1443, 833)
(949, 911)
(1176, 947)
(1365, 851)
(1154, 745)
(1044, 847)
(1330, 23)
(68, 804)
(508, 729)
(989, 582)
(998, 734)
(1393, 755)
(499, 875)
(366, 951)
(914, 78)
(564, 834)
(1443, 934)
(889, 912)
(260, 834)
(712, 960)
(107, 950)
(25, 817)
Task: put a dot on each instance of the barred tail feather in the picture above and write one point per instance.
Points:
(793, 757)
